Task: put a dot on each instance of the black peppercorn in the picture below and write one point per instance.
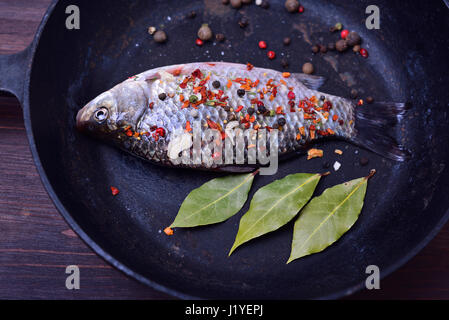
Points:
(216, 84)
(191, 15)
(162, 96)
(315, 49)
(322, 98)
(251, 111)
(231, 117)
(284, 63)
(354, 93)
(323, 49)
(275, 126)
(240, 92)
(220, 37)
(262, 109)
(287, 41)
(265, 4)
(243, 22)
(370, 100)
(282, 122)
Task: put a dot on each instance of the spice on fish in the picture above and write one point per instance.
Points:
(114, 191)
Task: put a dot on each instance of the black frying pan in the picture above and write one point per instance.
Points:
(406, 203)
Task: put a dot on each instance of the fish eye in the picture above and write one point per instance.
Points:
(101, 114)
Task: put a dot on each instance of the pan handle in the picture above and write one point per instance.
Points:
(13, 71)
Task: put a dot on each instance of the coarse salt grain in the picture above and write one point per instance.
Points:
(337, 165)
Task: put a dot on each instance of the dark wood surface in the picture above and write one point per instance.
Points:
(36, 244)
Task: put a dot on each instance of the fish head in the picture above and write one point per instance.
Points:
(106, 115)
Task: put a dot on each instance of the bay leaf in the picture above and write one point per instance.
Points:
(215, 201)
(327, 217)
(274, 205)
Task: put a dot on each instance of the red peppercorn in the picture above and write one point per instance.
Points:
(199, 42)
(114, 191)
(344, 34)
(271, 55)
(262, 45)
(291, 95)
(364, 53)
(301, 9)
(160, 132)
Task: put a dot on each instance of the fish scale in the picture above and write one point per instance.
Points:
(128, 106)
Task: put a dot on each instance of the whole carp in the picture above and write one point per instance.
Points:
(156, 114)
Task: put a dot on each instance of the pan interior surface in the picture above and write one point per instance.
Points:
(404, 202)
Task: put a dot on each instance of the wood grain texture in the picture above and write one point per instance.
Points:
(36, 244)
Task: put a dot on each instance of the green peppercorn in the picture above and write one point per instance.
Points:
(193, 99)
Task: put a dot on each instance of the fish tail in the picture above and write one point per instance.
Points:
(377, 128)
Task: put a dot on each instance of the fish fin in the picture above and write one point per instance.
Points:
(373, 125)
(311, 82)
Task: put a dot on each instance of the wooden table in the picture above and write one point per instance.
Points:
(36, 244)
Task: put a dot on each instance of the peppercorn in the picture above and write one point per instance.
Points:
(243, 22)
(354, 93)
(301, 9)
(364, 53)
(284, 63)
(191, 15)
(225, 2)
(307, 68)
(261, 108)
(323, 49)
(353, 38)
(205, 33)
(282, 122)
(275, 126)
(216, 84)
(162, 96)
(287, 41)
(315, 49)
(265, 4)
(241, 92)
(271, 55)
(227, 108)
(370, 100)
(341, 45)
(364, 161)
(151, 30)
(251, 111)
(236, 4)
(344, 34)
(220, 37)
(262, 45)
(231, 117)
(322, 98)
(331, 46)
(160, 36)
(338, 26)
(292, 5)
(356, 48)
(199, 42)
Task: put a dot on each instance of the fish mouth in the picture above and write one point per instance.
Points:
(80, 124)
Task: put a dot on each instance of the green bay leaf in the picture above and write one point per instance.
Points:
(327, 217)
(275, 205)
(215, 201)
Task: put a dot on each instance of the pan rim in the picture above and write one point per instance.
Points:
(395, 265)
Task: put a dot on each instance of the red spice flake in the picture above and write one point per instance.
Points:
(114, 191)
(160, 132)
(335, 117)
(344, 34)
(229, 85)
(286, 74)
(183, 85)
(249, 66)
(169, 231)
(188, 126)
(330, 131)
(239, 108)
(257, 126)
(312, 127)
(151, 105)
(199, 42)
(271, 55)
(262, 45)
(197, 74)
(301, 9)
(364, 53)
(247, 125)
(252, 119)
(291, 95)
(213, 125)
(185, 104)
(177, 72)
(360, 102)
(279, 110)
(129, 133)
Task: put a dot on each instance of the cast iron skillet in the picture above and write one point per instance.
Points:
(406, 203)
